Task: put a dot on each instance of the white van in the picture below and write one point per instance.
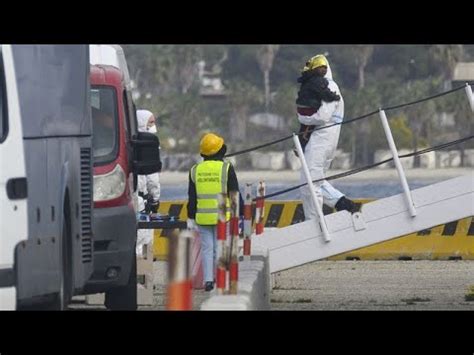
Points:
(13, 202)
(45, 175)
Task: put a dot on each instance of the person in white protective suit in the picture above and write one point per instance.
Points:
(321, 148)
(148, 186)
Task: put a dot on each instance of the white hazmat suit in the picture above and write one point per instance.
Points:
(147, 184)
(320, 151)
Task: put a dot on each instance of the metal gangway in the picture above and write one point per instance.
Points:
(378, 221)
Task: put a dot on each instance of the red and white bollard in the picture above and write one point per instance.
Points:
(179, 272)
(234, 243)
(221, 245)
(247, 221)
(260, 208)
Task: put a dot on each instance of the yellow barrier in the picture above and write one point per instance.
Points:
(453, 240)
(160, 241)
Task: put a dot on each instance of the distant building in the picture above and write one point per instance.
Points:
(211, 83)
(445, 119)
(268, 120)
(463, 73)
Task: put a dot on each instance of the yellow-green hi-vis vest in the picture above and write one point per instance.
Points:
(210, 178)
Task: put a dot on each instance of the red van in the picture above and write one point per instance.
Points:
(120, 152)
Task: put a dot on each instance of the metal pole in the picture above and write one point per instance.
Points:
(247, 221)
(179, 273)
(221, 245)
(260, 208)
(470, 97)
(398, 164)
(234, 245)
(317, 205)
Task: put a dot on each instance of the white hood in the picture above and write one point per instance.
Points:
(332, 84)
(329, 73)
(142, 117)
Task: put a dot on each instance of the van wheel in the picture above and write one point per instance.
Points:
(65, 292)
(124, 298)
(63, 297)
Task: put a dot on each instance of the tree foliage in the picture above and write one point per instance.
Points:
(260, 78)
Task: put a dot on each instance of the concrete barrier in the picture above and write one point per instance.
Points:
(253, 288)
(469, 157)
(381, 155)
(449, 159)
(428, 160)
(268, 160)
(233, 161)
(292, 160)
(452, 158)
(407, 163)
(179, 161)
(341, 160)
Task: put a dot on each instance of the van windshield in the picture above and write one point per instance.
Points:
(104, 124)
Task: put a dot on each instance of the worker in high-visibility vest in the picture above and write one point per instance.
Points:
(207, 179)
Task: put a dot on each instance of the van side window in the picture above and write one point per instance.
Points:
(3, 102)
(105, 136)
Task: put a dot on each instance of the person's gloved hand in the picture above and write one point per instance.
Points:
(153, 206)
(191, 224)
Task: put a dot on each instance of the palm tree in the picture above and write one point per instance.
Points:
(463, 120)
(420, 115)
(265, 57)
(185, 58)
(362, 55)
(242, 97)
(448, 55)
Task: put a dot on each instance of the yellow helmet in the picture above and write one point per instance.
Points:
(315, 62)
(211, 144)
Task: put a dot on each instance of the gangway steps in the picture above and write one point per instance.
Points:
(380, 220)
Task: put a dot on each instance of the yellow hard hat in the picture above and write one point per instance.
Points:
(211, 144)
(315, 62)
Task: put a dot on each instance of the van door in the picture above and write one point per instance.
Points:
(131, 129)
(13, 192)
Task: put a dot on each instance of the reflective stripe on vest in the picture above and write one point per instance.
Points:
(210, 178)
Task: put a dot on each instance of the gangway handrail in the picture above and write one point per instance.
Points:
(257, 147)
(368, 167)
